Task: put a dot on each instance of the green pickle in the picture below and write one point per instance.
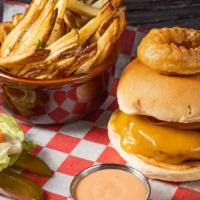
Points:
(33, 164)
(19, 187)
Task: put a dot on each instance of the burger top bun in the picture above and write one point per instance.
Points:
(144, 91)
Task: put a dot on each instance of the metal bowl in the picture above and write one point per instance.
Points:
(98, 167)
(58, 100)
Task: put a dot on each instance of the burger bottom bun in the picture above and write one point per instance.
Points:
(188, 171)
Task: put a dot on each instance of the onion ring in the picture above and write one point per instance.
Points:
(171, 50)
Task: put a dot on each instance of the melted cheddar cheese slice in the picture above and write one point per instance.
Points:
(170, 145)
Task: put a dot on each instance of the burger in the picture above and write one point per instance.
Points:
(156, 126)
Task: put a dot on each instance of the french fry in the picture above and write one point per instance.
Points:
(72, 20)
(117, 3)
(8, 26)
(57, 38)
(85, 32)
(27, 57)
(5, 29)
(33, 38)
(85, 56)
(66, 52)
(122, 20)
(31, 14)
(88, 2)
(63, 65)
(92, 26)
(56, 69)
(1, 34)
(62, 54)
(79, 23)
(107, 40)
(82, 8)
(64, 28)
(106, 24)
(16, 69)
(99, 3)
(121, 28)
(57, 29)
(17, 18)
(64, 41)
(69, 20)
(101, 30)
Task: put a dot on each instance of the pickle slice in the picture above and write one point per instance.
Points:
(18, 187)
(33, 164)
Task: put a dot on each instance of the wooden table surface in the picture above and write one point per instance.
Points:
(159, 13)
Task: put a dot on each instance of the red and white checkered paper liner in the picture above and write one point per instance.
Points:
(70, 148)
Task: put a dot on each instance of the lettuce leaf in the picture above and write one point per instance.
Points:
(7, 161)
(14, 143)
(10, 128)
(11, 148)
(4, 157)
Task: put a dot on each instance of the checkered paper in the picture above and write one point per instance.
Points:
(70, 148)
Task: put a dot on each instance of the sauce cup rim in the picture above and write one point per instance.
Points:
(98, 167)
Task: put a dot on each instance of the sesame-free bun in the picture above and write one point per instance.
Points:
(188, 171)
(144, 91)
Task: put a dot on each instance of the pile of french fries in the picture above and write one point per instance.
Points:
(59, 38)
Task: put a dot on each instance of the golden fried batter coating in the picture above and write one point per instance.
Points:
(171, 50)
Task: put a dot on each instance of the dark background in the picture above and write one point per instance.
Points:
(159, 13)
(1, 10)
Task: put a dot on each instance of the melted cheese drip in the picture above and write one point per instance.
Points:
(170, 145)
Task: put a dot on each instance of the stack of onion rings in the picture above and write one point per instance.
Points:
(171, 50)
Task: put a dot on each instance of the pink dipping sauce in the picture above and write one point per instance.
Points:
(110, 184)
